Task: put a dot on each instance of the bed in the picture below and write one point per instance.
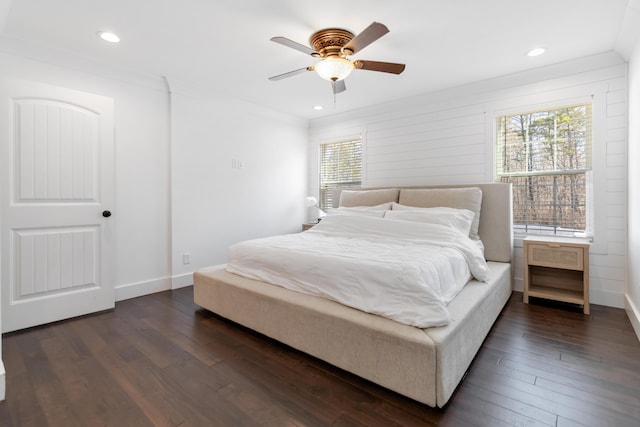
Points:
(423, 363)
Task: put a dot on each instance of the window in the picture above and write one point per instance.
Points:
(546, 155)
(340, 167)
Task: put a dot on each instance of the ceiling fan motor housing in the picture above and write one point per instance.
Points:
(329, 42)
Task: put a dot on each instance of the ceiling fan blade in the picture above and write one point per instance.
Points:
(370, 34)
(294, 45)
(338, 87)
(385, 67)
(290, 73)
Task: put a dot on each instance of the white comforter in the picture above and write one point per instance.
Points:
(405, 271)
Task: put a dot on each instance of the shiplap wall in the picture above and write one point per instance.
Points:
(447, 137)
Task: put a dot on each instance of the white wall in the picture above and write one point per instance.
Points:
(632, 302)
(215, 204)
(447, 137)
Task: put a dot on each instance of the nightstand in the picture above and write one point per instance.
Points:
(308, 225)
(557, 268)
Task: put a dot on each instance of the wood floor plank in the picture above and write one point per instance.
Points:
(604, 397)
(514, 412)
(588, 372)
(160, 360)
(552, 401)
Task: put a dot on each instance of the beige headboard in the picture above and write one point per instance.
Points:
(495, 229)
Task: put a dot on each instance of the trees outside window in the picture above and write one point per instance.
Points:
(546, 155)
(340, 167)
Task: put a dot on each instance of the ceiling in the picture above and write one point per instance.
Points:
(223, 46)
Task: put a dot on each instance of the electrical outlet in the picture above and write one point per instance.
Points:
(186, 258)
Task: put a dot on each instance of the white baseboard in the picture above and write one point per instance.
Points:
(134, 290)
(213, 267)
(185, 280)
(3, 383)
(182, 281)
(633, 313)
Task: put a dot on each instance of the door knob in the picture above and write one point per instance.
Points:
(106, 214)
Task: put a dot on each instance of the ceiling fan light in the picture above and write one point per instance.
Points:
(334, 68)
(109, 36)
(536, 52)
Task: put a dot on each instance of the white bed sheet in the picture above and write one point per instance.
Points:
(402, 270)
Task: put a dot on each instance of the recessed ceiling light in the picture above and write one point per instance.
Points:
(318, 107)
(536, 52)
(108, 36)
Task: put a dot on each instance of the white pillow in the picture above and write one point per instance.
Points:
(375, 211)
(459, 198)
(459, 219)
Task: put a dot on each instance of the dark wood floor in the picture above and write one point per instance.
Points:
(159, 360)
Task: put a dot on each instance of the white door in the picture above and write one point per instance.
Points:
(57, 176)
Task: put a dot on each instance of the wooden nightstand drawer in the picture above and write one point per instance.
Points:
(556, 256)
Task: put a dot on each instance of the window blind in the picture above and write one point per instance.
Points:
(546, 156)
(340, 167)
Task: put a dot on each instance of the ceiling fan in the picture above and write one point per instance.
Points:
(333, 46)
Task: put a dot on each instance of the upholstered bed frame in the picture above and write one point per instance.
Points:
(423, 364)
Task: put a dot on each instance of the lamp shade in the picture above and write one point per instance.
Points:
(310, 201)
(334, 68)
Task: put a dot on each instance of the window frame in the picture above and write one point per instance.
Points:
(352, 184)
(555, 229)
(549, 95)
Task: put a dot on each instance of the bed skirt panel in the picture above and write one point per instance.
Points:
(473, 313)
(424, 364)
(396, 356)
